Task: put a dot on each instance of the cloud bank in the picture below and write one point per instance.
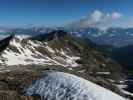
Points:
(104, 20)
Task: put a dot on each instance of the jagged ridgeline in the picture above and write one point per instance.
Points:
(58, 48)
(61, 51)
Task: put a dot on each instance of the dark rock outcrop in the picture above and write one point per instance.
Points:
(5, 42)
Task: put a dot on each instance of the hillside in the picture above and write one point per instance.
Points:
(124, 56)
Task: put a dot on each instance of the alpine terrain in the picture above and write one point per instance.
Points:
(24, 60)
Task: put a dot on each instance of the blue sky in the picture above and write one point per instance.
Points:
(15, 13)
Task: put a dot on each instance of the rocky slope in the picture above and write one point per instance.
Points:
(58, 48)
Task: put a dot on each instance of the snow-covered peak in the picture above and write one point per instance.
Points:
(64, 86)
(25, 52)
(21, 37)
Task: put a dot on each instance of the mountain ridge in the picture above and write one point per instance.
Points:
(62, 52)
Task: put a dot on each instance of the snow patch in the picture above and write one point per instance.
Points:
(63, 86)
(21, 37)
(50, 49)
(70, 60)
(103, 73)
(26, 53)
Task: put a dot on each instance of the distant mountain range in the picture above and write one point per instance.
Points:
(113, 36)
(117, 37)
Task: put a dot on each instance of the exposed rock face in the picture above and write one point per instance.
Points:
(12, 84)
(5, 42)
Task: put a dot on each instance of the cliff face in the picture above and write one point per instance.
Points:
(5, 43)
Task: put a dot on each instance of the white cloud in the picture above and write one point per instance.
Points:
(116, 15)
(100, 20)
(97, 15)
(125, 23)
